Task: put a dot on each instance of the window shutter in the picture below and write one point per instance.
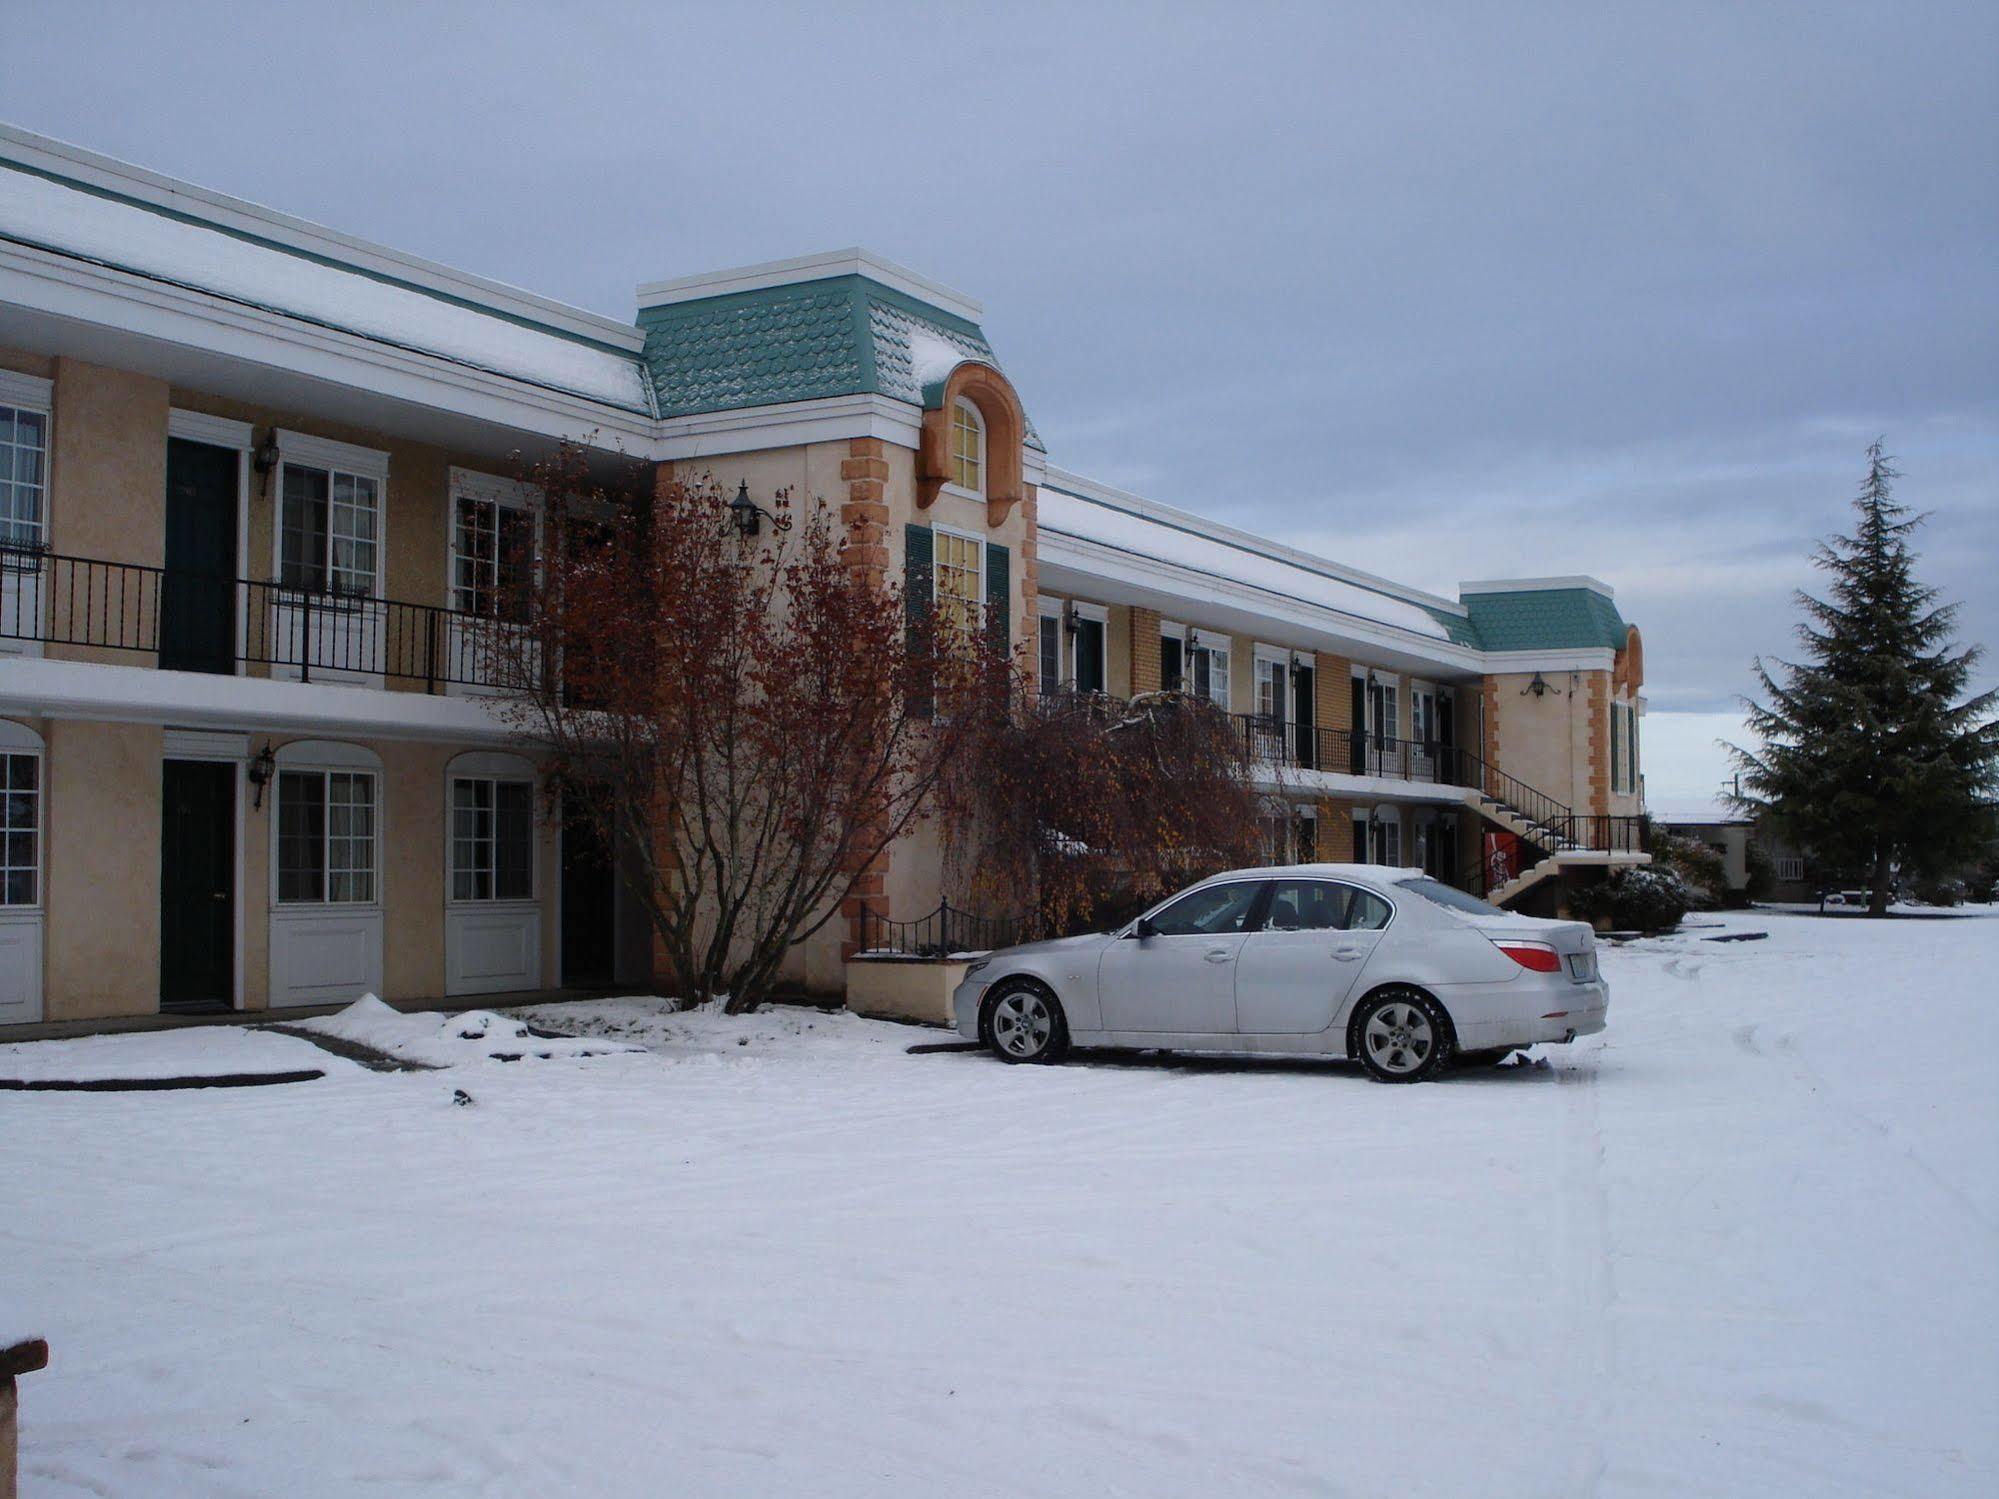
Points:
(999, 595)
(1616, 748)
(918, 589)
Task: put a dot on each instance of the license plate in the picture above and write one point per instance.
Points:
(1582, 966)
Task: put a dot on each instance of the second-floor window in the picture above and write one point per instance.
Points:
(1209, 667)
(491, 558)
(968, 448)
(326, 837)
(1048, 661)
(24, 442)
(329, 530)
(959, 583)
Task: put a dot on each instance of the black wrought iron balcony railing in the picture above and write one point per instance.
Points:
(946, 930)
(198, 622)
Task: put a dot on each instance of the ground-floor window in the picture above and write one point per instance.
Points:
(1378, 836)
(326, 836)
(1790, 869)
(492, 839)
(20, 829)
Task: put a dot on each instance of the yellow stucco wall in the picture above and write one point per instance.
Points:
(102, 870)
(1545, 741)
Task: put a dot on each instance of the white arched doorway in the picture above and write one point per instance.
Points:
(492, 882)
(23, 787)
(326, 873)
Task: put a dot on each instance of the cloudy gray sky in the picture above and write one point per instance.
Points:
(1446, 291)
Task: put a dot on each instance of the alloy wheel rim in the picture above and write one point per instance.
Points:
(1021, 1024)
(1399, 1037)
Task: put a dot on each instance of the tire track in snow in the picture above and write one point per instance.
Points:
(1585, 1254)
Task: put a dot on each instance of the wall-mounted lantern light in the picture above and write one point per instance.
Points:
(262, 768)
(745, 514)
(1539, 687)
(264, 457)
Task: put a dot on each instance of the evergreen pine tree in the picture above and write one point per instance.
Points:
(1867, 758)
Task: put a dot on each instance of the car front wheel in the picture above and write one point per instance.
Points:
(1024, 1023)
(1401, 1036)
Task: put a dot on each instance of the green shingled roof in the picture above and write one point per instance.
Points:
(1544, 619)
(840, 336)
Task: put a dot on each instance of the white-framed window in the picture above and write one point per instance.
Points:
(1273, 675)
(1422, 712)
(1092, 647)
(1381, 832)
(968, 447)
(1791, 868)
(20, 828)
(958, 583)
(492, 839)
(1048, 644)
(493, 534)
(491, 557)
(1623, 748)
(24, 460)
(1210, 668)
(326, 837)
(1384, 710)
(330, 516)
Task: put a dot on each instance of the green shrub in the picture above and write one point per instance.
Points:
(1648, 899)
(1699, 868)
(1940, 892)
(1762, 872)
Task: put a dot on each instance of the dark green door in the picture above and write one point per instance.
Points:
(197, 885)
(198, 594)
(589, 903)
(1357, 760)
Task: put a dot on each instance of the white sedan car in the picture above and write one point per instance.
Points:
(1348, 960)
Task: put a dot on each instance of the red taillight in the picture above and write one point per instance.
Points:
(1532, 955)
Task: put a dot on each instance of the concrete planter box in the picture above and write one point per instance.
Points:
(897, 988)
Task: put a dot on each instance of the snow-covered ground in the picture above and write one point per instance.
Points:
(1741, 1244)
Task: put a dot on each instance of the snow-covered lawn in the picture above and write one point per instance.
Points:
(1742, 1244)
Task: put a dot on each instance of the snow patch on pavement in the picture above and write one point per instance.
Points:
(186, 1051)
(435, 1040)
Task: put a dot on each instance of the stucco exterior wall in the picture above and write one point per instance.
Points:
(106, 482)
(102, 870)
(1545, 742)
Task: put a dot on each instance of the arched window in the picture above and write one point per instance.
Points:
(968, 448)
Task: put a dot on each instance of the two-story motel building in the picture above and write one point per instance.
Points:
(254, 496)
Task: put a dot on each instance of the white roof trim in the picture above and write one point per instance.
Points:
(1537, 585)
(1122, 499)
(25, 392)
(216, 431)
(482, 486)
(308, 451)
(820, 267)
(61, 159)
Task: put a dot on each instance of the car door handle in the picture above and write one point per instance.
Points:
(1217, 955)
(1348, 954)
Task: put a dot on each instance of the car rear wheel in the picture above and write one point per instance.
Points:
(1024, 1023)
(1401, 1036)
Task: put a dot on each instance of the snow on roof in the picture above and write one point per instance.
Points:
(129, 237)
(1695, 812)
(1108, 525)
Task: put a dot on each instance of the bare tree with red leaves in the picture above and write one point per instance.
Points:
(1077, 809)
(752, 720)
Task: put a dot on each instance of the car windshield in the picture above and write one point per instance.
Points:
(1450, 898)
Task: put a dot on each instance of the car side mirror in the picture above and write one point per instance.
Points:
(1143, 928)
